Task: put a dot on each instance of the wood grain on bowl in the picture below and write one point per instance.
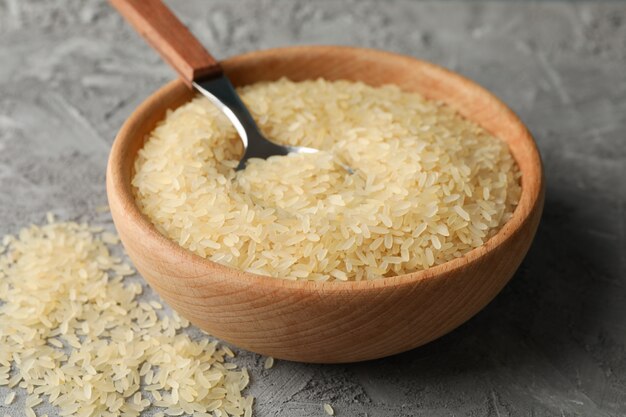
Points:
(331, 321)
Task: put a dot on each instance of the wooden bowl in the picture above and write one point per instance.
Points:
(331, 321)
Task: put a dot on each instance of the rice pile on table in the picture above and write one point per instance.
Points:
(73, 333)
(428, 185)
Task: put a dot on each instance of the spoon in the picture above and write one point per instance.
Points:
(199, 70)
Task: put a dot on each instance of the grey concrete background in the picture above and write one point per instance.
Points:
(551, 344)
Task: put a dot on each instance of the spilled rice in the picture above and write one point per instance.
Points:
(269, 362)
(73, 333)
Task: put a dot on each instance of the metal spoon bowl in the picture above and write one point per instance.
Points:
(223, 95)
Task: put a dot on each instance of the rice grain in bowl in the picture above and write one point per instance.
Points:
(328, 321)
(428, 185)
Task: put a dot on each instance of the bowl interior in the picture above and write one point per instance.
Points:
(355, 64)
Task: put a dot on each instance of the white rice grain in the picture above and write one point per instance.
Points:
(419, 166)
(110, 339)
(8, 400)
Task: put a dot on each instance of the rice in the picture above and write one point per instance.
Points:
(428, 185)
(269, 362)
(74, 333)
(329, 409)
(9, 398)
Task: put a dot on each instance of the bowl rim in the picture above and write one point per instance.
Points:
(120, 190)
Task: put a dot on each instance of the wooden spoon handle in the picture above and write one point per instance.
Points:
(176, 44)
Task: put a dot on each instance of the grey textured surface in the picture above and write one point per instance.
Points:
(553, 342)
